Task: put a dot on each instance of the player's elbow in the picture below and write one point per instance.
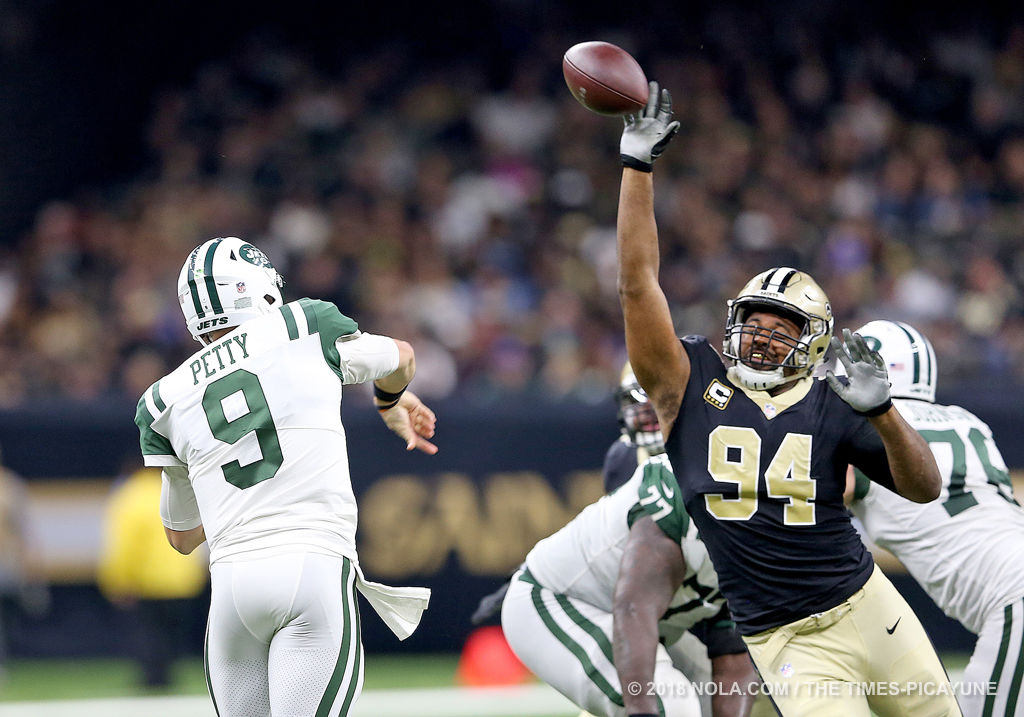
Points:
(185, 541)
(925, 487)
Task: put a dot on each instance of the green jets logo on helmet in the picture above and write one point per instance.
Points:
(254, 256)
(873, 343)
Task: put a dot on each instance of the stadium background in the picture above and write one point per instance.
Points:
(427, 170)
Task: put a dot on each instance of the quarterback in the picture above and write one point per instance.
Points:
(249, 436)
(759, 448)
(964, 548)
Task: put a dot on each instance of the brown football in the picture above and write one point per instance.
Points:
(605, 78)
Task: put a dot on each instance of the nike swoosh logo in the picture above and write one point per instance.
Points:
(892, 629)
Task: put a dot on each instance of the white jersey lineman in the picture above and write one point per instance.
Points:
(259, 459)
(557, 614)
(965, 547)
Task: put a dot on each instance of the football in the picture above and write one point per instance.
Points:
(605, 78)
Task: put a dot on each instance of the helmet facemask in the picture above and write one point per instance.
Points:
(638, 420)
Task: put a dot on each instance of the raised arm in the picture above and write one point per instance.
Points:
(652, 570)
(658, 359)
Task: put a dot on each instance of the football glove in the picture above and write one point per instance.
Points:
(867, 389)
(648, 131)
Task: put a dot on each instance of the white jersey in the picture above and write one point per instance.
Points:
(255, 418)
(965, 546)
(582, 559)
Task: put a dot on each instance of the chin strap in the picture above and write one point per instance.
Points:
(755, 380)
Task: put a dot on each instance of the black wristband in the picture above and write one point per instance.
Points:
(390, 400)
(877, 410)
(643, 714)
(634, 163)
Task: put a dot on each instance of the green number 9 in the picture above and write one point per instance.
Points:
(256, 419)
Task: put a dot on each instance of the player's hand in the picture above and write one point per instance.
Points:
(648, 131)
(413, 422)
(868, 388)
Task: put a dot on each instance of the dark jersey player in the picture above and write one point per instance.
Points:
(760, 449)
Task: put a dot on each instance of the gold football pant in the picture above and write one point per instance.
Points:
(869, 653)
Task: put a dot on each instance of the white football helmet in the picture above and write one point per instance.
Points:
(224, 282)
(786, 292)
(908, 355)
(637, 418)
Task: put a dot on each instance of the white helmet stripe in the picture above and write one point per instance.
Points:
(192, 288)
(211, 284)
(778, 280)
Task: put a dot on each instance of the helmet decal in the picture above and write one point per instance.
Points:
(254, 256)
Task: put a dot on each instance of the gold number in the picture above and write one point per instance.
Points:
(734, 456)
(789, 478)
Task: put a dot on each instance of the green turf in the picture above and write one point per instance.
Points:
(66, 679)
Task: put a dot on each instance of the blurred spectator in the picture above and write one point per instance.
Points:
(142, 574)
(19, 592)
(466, 200)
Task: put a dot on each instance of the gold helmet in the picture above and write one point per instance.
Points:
(794, 295)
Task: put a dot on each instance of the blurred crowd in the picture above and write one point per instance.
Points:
(472, 213)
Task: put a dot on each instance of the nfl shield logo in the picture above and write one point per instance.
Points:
(240, 286)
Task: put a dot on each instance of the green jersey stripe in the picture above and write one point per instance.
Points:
(310, 313)
(997, 671)
(575, 648)
(157, 401)
(192, 288)
(341, 666)
(211, 284)
(289, 322)
(151, 442)
(1018, 677)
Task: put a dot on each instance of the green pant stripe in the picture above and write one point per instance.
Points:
(357, 666)
(1018, 676)
(1004, 646)
(341, 666)
(575, 648)
(590, 628)
(206, 668)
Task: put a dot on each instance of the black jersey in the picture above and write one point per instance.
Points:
(764, 484)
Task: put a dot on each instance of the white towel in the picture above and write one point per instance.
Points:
(399, 608)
